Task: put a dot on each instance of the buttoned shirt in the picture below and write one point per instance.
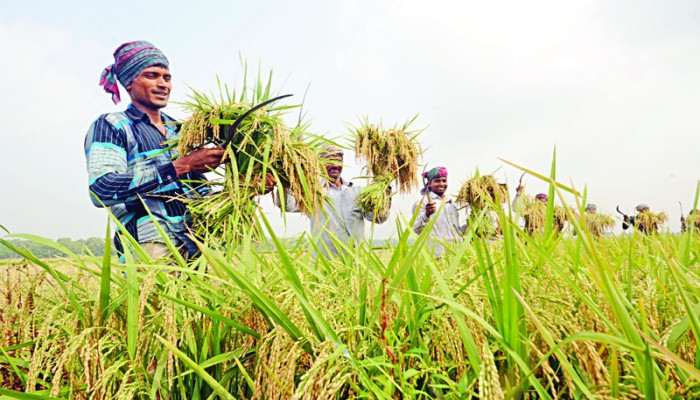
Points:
(130, 170)
(341, 217)
(446, 229)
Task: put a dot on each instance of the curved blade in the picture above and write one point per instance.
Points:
(618, 210)
(520, 181)
(681, 205)
(425, 179)
(232, 129)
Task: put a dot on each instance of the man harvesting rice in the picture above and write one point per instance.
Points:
(541, 197)
(534, 212)
(693, 221)
(446, 228)
(645, 220)
(129, 169)
(597, 223)
(342, 220)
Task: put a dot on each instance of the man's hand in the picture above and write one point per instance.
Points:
(682, 219)
(202, 160)
(430, 209)
(625, 217)
(519, 189)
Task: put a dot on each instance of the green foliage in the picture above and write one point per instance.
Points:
(525, 316)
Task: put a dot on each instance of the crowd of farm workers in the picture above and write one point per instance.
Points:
(131, 174)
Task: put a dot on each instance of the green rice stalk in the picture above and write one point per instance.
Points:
(376, 197)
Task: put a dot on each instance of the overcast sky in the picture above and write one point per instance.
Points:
(615, 86)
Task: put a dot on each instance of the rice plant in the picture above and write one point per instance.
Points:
(518, 317)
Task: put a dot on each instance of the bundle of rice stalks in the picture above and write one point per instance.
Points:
(261, 144)
(693, 220)
(376, 197)
(534, 212)
(480, 192)
(390, 155)
(649, 222)
(599, 223)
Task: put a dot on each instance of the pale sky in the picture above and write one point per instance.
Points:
(615, 86)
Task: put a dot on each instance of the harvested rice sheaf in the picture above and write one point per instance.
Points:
(598, 223)
(534, 213)
(483, 194)
(650, 222)
(693, 219)
(481, 191)
(390, 155)
(262, 144)
(376, 197)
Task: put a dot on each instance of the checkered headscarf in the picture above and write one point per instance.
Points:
(437, 172)
(129, 60)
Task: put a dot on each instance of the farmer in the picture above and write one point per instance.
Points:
(341, 220)
(446, 228)
(533, 213)
(518, 194)
(694, 218)
(129, 170)
(597, 223)
(591, 208)
(628, 221)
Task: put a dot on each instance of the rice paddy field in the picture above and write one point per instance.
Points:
(542, 316)
(507, 313)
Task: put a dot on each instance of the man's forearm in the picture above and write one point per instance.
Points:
(117, 188)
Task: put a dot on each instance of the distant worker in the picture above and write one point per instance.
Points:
(597, 223)
(534, 212)
(628, 221)
(645, 221)
(446, 228)
(341, 219)
(542, 197)
(693, 219)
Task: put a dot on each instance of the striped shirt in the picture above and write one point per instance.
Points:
(128, 167)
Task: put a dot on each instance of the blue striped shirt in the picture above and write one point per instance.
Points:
(128, 168)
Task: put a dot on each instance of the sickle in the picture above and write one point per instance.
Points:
(232, 129)
(618, 210)
(681, 205)
(425, 181)
(520, 181)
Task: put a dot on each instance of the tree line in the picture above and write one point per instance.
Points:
(93, 245)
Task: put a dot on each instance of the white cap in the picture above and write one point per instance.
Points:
(641, 206)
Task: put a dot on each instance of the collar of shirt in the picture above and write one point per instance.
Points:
(343, 184)
(136, 114)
